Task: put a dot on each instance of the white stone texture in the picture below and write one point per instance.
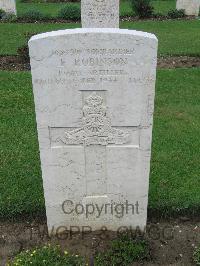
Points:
(100, 13)
(9, 6)
(94, 101)
(191, 7)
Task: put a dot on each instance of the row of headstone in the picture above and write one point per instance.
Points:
(9, 6)
(94, 100)
(191, 7)
(98, 11)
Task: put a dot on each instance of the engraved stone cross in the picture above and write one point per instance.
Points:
(95, 134)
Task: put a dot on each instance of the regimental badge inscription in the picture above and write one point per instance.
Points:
(96, 126)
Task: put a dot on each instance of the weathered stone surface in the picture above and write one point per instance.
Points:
(100, 13)
(9, 6)
(191, 7)
(94, 101)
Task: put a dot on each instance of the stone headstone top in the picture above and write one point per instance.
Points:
(191, 7)
(100, 13)
(9, 6)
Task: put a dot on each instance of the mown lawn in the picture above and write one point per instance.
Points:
(125, 7)
(175, 180)
(175, 171)
(20, 179)
(176, 37)
(164, 6)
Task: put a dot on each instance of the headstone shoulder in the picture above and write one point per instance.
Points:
(48, 35)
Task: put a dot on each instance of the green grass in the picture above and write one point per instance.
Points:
(20, 180)
(125, 7)
(123, 251)
(175, 180)
(47, 256)
(15, 34)
(182, 40)
(176, 37)
(164, 6)
(45, 8)
(196, 256)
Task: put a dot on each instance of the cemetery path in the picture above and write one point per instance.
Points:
(16, 63)
(172, 242)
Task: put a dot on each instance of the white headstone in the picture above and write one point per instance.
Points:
(94, 101)
(100, 13)
(191, 7)
(9, 6)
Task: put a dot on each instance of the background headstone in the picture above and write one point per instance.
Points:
(191, 7)
(100, 13)
(9, 6)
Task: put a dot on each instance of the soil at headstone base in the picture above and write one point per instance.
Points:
(160, 17)
(15, 63)
(171, 243)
